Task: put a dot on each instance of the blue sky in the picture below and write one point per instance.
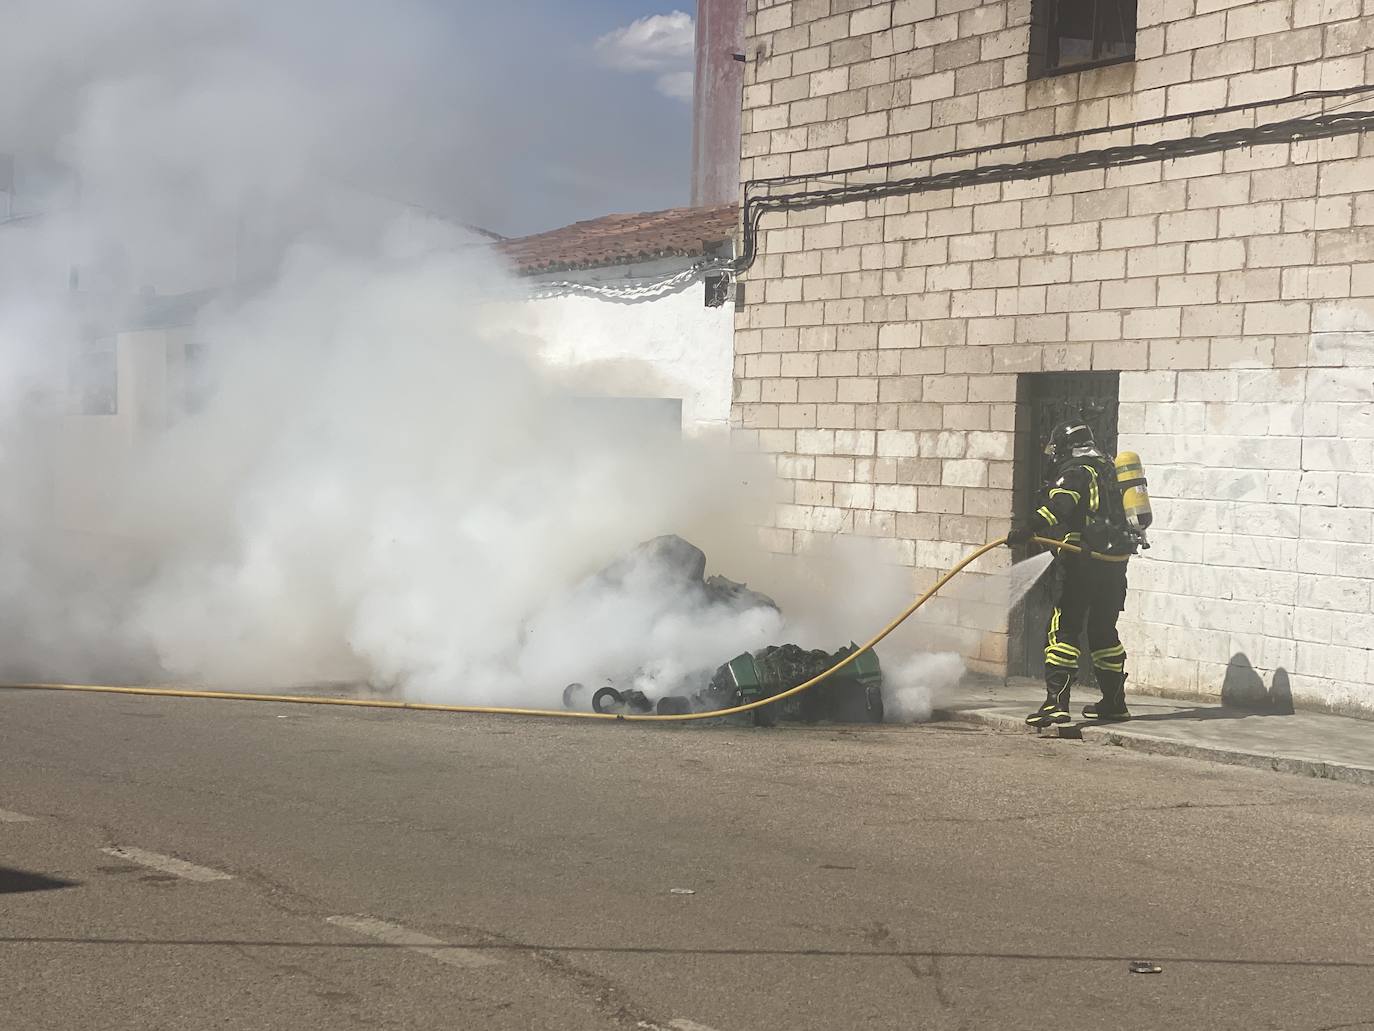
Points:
(548, 114)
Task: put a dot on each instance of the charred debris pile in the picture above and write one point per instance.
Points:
(853, 695)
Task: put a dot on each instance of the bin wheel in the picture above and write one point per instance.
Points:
(607, 695)
(570, 694)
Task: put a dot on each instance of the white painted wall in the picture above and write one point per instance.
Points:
(672, 346)
(666, 347)
(93, 452)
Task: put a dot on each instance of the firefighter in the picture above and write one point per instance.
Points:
(1082, 505)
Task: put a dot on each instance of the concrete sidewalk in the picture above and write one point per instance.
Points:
(1307, 743)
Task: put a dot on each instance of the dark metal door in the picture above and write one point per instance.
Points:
(1043, 400)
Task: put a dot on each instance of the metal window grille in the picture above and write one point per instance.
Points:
(1068, 35)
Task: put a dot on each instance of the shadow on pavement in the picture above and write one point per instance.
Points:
(1211, 712)
(13, 882)
(1243, 694)
(1243, 688)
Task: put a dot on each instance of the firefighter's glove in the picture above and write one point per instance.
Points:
(1020, 534)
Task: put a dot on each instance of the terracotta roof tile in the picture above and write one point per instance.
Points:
(621, 239)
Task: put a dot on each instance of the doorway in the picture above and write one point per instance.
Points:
(1044, 399)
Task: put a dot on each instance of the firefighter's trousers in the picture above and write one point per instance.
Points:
(1090, 594)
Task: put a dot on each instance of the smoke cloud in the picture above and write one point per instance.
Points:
(327, 453)
(375, 482)
(502, 115)
(913, 687)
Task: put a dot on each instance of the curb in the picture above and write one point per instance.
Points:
(1118, 734)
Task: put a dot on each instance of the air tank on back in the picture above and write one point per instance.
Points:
(1135, 495)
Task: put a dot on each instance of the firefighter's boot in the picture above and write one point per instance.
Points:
(1055, 711)
(1113, 703)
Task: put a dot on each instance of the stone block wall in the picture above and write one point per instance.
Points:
(879, 350)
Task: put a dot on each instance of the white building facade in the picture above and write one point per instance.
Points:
(618, 307)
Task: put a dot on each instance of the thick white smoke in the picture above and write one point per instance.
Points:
(380, 487)
(914, 686)
(377, 483)
(407, 491)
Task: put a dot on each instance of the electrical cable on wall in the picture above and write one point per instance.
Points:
(1324, 125)
(631, 290)
(1084, 133)
(1313, 127)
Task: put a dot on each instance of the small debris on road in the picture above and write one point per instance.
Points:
(1144, 966)
(682, 891)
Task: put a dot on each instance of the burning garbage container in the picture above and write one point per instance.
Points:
(853, 695)
(676, 569)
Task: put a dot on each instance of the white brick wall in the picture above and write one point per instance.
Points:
(879, 353)
(1287, 562)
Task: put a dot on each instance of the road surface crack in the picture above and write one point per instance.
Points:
(1059, 815)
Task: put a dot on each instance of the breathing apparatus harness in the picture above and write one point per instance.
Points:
(1118, 502)
(1105, 529)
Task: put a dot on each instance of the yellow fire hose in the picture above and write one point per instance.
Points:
(497, 710)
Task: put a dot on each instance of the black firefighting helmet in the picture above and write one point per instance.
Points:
(1067, 438)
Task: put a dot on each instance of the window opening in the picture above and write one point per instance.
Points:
(94, 378)
(1069, 35)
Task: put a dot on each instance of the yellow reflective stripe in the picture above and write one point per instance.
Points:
(1059, 653)
(1047, 515)
(1065, 490)
(1112, 658)
(1092, 488)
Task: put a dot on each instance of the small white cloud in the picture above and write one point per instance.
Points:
(663, 44)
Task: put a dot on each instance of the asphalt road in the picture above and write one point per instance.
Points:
(249, 866)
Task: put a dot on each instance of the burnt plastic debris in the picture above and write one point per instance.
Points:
(683, 566)
(610, 700)
(853, 695)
